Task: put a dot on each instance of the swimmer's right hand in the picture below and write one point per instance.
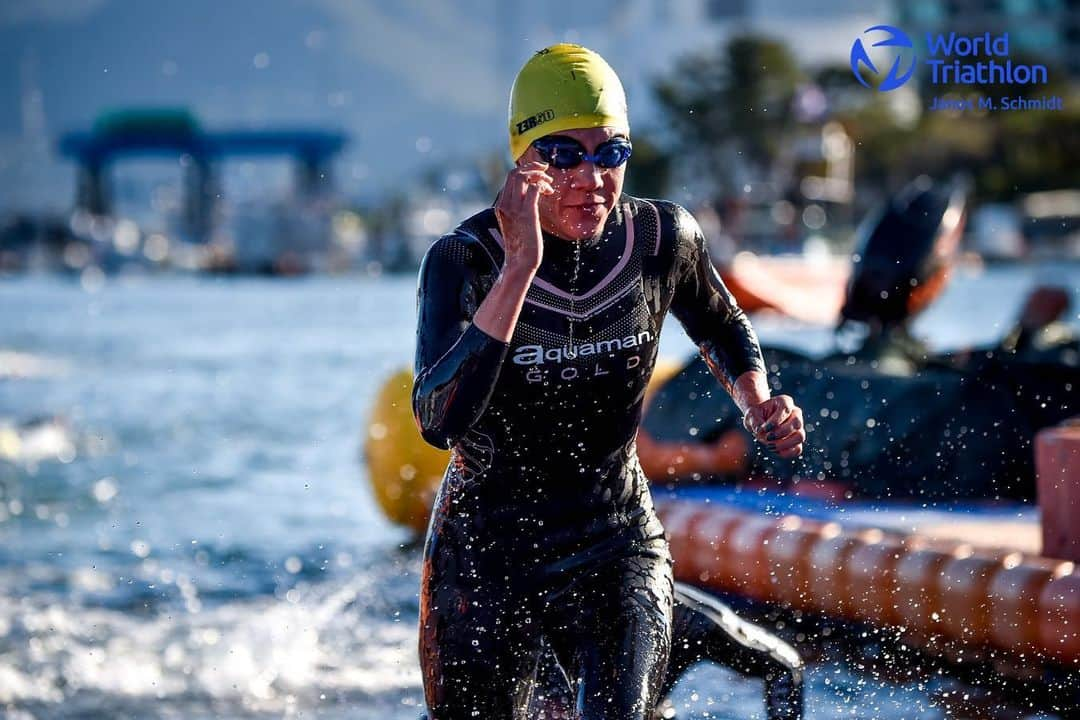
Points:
(517, 211)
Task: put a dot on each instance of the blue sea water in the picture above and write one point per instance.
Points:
(186, 530)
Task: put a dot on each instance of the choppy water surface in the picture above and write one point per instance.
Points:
(186, 529)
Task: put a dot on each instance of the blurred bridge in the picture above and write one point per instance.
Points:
(177, 132)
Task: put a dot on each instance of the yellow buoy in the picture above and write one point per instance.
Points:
(404, 471)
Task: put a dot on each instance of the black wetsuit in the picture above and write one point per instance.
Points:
(543, 531)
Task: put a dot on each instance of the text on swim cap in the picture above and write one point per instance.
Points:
(530, 122)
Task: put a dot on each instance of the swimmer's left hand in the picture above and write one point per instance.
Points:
(778, 424)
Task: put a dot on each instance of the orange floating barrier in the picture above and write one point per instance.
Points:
(963, 586)
(930, 589)
(828, 582)
(747, 542)
(788, 554)
(1059, 617)
(1013, 596)
(917, 598)
(709, 557)
(872, 580)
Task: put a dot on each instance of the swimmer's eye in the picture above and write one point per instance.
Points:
(565, 152)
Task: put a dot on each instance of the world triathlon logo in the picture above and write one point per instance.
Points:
(898, 48)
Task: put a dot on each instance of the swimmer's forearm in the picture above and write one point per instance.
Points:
(712, 318)
(750, 389)
(497, 315)
(731, 350)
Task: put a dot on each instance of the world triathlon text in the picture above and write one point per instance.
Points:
(959, 59)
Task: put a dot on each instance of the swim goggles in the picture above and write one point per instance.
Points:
(565, 152)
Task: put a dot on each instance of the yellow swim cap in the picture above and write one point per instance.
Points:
(564, 87)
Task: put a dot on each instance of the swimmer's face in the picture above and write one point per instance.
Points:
(584, 195)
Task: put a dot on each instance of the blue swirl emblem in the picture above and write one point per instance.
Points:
(897, 38)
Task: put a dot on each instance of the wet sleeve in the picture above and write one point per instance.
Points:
(457, 363)
(707, 309)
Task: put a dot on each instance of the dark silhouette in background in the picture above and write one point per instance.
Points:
(889, 418)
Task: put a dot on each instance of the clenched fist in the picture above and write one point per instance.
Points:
(778, 424)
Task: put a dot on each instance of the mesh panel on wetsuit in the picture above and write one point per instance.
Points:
(453, 249)
(647, 224)
(463, 249)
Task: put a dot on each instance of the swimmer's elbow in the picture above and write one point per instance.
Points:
(436, 434)
(451, 394)
(433, 418)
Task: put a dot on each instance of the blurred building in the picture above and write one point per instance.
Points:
(291, 235)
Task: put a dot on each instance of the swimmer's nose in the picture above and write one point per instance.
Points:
(588, 176)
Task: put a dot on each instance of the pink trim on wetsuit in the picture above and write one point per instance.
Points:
(607, 278)
(619, 266)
